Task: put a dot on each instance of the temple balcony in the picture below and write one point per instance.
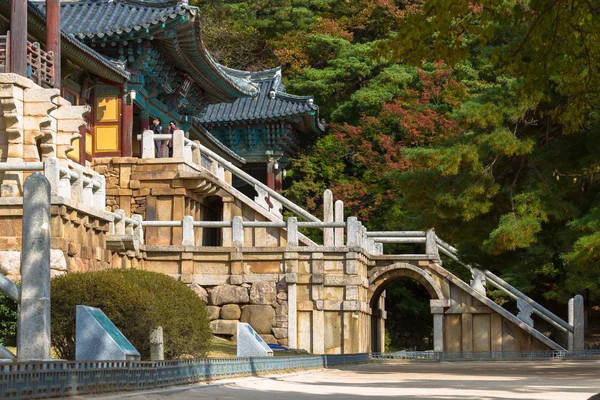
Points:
(40, 63)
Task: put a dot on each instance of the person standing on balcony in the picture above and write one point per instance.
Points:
(158, 130)
(172, 128)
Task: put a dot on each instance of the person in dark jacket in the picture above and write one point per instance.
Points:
(158, 130)
(172, 128)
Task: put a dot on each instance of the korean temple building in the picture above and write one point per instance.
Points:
(267, 129)
(132, 61)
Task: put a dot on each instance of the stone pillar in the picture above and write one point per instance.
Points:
(33, 329)
(99, 197)
(188, 231)
(292, 315)
(52, 174)
(77, 188)
(353, 232)
(138, 231)
(157, 348)
(120, 225)
(292, 231)
(237, 230)
(328, 216)
(148, 144)
(178, 144)
(431, 248)
(196, 154)
(339, 217)
(576, 319)
(88, 193)
(437, 309)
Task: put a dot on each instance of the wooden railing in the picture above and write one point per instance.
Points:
(40, 63)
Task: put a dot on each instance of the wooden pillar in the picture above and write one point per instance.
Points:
(53, 36)
(18, 37)
(144, 120)
(271, 173)
(127, 130)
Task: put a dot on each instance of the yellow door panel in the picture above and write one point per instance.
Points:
(74, 154)
(107, 138)
(88, 143)
(106, 109)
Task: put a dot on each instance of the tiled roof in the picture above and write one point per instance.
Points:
(271, 103)
(89, 20)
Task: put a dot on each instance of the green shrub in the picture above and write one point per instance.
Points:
(8, 321)
(136, 302)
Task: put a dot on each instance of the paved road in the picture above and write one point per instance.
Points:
(481, 381)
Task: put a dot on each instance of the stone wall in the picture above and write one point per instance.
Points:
(78, 240)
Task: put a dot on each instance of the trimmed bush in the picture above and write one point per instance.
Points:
(136, 302)
(8, 321)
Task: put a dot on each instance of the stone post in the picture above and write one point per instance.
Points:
(576, 317)
(33, 328)
(138, 231)
(437, 309)
(292, 231)
(148, 144)
(88, 193)
(52, 174)
(196, 154)
(292, 315)
(339, 217)
(120, 225)
(328, 216)
(99, 197)
(353, 227)
(178, 144)
(431, 248)
(157, 348)
(188, 231)
(77, 188)
(237, 232)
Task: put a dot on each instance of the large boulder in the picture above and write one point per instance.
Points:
(227, 294)
(231, 311)
(263, 293)
(200, 291)
(280, 333)
(222, 327)
(260, 317)
(212, 312)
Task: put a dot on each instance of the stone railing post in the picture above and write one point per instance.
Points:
(120, 225)
(138, 231)
(52, 174)
(77, 188)
(64, 186)
(353, 232)
(292, 231)
(378, 249)
(188, 231)
(100, 193)
(339, 217)
(87, 199)
(196, 154)
(178, 144)
(328, 216)
(157, 348)
(576, 320)
(33, 326)
(237, 232)
(187, 151)
(148, 144)
(431, 248)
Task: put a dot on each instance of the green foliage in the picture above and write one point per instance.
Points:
(8, 320)
(136, 302)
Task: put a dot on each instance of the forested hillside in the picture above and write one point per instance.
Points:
(478, 118)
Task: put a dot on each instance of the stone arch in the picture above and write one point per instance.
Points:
(379, 279)
(380, 276)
